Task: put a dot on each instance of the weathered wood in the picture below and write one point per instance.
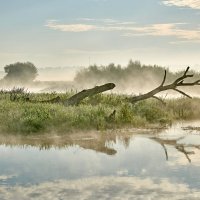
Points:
(179, 82)
(54, 100)
(77, 98)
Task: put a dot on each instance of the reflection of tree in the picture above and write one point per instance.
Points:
(98, 142)
(178, 146)
(191, 128)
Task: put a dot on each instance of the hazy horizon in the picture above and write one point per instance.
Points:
(79, 33)
(67, 73)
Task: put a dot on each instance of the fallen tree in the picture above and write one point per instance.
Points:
(179, 82)
(77, 98)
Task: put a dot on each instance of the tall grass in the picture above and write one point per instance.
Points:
(20, 117)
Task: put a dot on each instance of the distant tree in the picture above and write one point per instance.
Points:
(20, 72)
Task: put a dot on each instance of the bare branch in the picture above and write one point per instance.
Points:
(184, 76)
(164, 79)
(159, 99)
(183, 93)
(186, 71)
(186, 153)
(179, 82)
(189, 84)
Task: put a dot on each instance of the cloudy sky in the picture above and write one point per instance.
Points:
(53, 33)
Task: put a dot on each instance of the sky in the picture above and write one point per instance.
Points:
(59, 33)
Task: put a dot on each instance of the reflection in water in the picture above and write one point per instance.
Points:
(181, 147)
(104, 188)
(102, 166)
(97, 142)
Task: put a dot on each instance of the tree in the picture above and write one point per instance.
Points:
(20, 73)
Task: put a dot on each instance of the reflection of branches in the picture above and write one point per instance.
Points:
(191, 128)
(179, 147)
(165, 149)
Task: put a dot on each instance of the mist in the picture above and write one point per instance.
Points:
(133, 79)
(57, 73)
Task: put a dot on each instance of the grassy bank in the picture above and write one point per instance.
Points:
(21, 117)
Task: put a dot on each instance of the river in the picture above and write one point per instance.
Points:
(148, 164)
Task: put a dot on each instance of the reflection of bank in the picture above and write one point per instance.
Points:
(38, 160)
(99, 142)
(104, 142)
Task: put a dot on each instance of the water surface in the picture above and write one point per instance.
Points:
(153, 165)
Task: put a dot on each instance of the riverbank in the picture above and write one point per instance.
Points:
(100, 112)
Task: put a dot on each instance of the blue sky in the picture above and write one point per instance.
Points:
(52, 33)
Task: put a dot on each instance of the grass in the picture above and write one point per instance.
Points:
(20, 117)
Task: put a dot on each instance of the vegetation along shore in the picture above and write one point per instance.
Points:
(23, 112)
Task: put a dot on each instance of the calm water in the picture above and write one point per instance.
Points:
(160, 165)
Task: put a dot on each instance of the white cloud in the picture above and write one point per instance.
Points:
(130, 29)
(6, 177)
(105, 20)
(102, 188)
(89, 24)
(70, 27)
(171, 29)
(185, 42)
(195, 4)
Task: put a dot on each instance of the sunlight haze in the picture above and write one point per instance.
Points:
(72, 33)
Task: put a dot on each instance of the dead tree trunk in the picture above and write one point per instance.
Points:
(77, 98)
(179, 82)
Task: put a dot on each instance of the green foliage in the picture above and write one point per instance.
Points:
(153, 111)
(21, 117)
(117, 73)
(132, 77)
(184, 108)
(20, 73)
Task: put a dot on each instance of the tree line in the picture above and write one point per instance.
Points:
(134, 75)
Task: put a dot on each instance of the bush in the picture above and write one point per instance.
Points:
(20, 73)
